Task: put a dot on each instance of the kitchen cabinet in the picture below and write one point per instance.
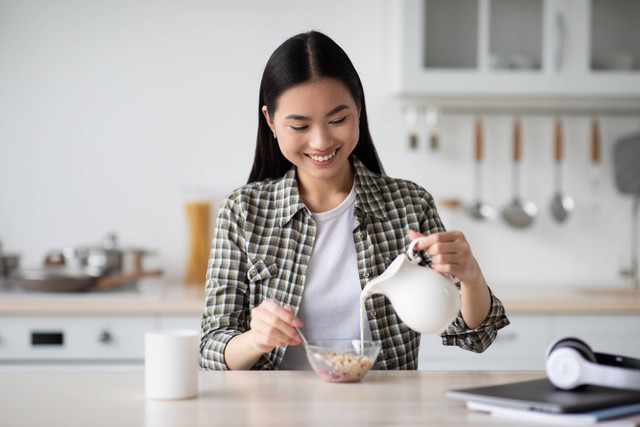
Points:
(523, 344)
(73, 338)
(82, 338)
(550, 49)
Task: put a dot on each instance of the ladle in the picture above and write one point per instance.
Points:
(561, 204)
(519, 213)
(479, 209)
(595, 164)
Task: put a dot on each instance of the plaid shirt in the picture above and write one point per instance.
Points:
(264, 239)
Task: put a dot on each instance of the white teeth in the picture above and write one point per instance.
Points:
(322, 158)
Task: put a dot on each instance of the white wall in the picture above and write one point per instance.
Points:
(112, 112)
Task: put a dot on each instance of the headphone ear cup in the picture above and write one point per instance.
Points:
(577, 344)
(565, 362)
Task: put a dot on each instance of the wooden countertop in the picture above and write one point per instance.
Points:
(150, 300)
(248, 398)
(569, 299)
(178, 299)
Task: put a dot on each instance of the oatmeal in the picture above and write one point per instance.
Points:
(347, 367)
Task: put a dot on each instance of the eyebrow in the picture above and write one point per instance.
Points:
(330, 113)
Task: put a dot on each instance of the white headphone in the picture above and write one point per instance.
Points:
(571, 363)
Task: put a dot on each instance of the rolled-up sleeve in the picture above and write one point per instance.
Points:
(480, 338)
(226, 312)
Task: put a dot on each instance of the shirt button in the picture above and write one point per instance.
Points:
(372, 313)
(252, 272)
(367, 274)
(360, 235)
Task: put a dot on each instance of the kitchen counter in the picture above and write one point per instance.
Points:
(569, 299)
(248, 398)
(149, 300)
(176, 299)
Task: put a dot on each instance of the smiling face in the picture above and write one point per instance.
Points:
(317, 128)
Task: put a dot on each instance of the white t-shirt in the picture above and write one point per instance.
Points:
(330, 306)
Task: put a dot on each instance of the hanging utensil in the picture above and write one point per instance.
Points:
(594, 170)
(411, 118)
(561, 204)
(431, 115)
(519, 213)
(626, 160)
(479, 209)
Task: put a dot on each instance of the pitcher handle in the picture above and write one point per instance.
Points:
(411, 253)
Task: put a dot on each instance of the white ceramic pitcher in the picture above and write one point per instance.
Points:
(425, 300)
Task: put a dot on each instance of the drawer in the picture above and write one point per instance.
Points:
(73, 337)
(521, 345)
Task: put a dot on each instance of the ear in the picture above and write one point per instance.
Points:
(265, 112)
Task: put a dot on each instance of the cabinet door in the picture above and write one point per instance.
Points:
(42, 338)
(521, 345)
(605, 47)
(477, 47)
(551, 48)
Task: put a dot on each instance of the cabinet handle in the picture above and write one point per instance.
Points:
(105, 337)
(561, 36)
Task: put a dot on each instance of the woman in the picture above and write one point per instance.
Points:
(317, 220)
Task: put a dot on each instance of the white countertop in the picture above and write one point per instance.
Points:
(247, 398)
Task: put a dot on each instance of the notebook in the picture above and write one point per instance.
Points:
(541, 395)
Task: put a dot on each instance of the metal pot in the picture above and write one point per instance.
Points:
(60, 278)
(86, 267)
(98, 260)
(53, 279)
(8, 263)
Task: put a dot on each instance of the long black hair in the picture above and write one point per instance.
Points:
(303, 58)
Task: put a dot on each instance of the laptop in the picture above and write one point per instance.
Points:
(541, 395)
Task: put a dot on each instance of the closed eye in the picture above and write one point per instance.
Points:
(299, 128)
(337, 122)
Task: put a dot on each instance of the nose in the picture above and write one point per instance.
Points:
(321, 138)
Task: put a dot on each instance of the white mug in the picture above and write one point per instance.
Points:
(171, 359)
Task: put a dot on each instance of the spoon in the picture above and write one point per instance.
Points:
(519, 213)
(479, 209)
(330, 367)
(561, 205)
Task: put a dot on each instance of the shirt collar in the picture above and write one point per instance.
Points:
(369, 198)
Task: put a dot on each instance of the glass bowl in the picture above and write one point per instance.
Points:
(342, 361)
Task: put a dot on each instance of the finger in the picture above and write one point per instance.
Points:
(414, 234)
(443, 248)
(271, 330)
(449, 258)
(283, 312)
(277, 317)
(428, 240)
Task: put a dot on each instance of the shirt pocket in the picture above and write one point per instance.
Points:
(261, 271)
(260, 275)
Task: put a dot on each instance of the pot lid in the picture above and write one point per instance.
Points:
(52, 273)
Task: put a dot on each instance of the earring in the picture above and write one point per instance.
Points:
(274, 136)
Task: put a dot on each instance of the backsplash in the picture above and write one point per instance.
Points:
(590, 247)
